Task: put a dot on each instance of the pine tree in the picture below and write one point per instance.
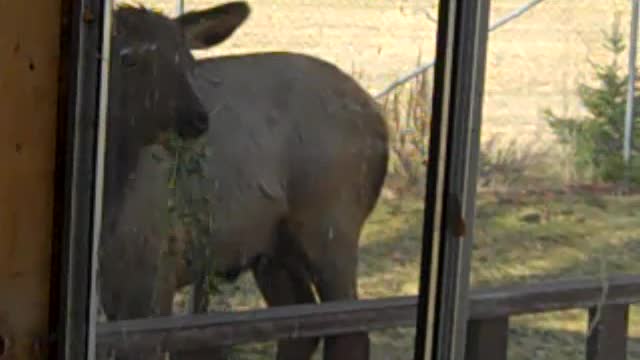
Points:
(597, 138)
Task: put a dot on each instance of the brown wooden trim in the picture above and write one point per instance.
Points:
(29, 59)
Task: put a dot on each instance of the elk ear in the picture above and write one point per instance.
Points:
(205, 28)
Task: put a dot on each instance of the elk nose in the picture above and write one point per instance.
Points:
(196, 125)
(201, 122)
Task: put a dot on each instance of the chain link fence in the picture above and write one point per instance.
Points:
(533, 61)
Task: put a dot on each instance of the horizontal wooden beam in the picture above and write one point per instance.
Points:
(188, 332)
(556, 295)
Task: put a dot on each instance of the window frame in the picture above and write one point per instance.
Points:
(445, 259)
(454, 148)
(81, 72)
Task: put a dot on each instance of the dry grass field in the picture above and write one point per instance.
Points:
(533, 62)
(576, 235)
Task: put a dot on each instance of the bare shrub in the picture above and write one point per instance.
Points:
(512, 164)
(408, 112)
(504, 164)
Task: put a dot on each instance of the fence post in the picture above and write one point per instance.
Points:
(487, 339)
(608, 340)
(631, 86)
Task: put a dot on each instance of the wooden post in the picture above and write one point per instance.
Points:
(29, 60)
(487, 339)
(608, 340)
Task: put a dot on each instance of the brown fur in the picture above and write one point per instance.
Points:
(298, 158)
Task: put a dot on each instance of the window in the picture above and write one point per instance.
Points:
(258, 179)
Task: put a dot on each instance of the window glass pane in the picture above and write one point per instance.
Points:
(551, 202)
(264, 155)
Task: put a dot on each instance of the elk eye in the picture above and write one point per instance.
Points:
(127, 58)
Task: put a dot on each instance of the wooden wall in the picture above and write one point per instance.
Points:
(29, 59)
